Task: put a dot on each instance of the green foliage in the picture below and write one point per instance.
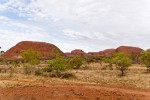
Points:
(92, 59)
(109, 61)
(56, 53)
(30, 56)
(145, 57)
(58, 64)
(123, 61)
(1, 58)
(15, 64)
(76, 62)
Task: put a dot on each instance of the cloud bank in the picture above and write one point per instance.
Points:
(91, 25)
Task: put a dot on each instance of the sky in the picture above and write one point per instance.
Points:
(90, 25)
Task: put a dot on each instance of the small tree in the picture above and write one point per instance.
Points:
(145, 57)
(76, 62)
(31, 58)
(123, 61)
(58, 65)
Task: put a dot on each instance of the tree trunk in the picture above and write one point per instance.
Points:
(122, 72)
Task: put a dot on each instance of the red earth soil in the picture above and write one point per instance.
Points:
(45, 49)
(74, 92)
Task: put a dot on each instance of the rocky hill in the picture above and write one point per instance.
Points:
(45, 49)
(129, 50)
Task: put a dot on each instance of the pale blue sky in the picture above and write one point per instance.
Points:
(90, 25)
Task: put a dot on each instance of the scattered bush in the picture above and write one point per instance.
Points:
(30, 58)
(145, 57)
(76, 62)
(109, 61)
(122, 61)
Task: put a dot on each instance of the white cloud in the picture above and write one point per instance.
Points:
(96, 24)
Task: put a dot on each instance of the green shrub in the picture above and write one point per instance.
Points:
(123, 61)
(145, 57)
(76, 62)
(30, 58)
(109, 61)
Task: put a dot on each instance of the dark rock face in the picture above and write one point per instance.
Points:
(129, 50)
(45, 49)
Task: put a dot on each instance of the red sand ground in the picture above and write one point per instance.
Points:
(74, 92)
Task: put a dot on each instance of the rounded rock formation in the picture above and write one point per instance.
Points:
(129, 50)
(45, 49)
(78, 52)
(107, 52)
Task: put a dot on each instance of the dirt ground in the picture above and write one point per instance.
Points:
(89, 84)
(73, 92)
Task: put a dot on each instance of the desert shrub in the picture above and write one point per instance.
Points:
(89, 60)
(62, 75)
(57, 66)
(1, 60)
(30, 58)
(76, 62)
(145, 57)
(13, 65)
(109, 61)
(38, 72)
(47, 69)
(122, 60)
(92, 59)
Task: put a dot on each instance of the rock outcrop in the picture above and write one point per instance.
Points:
(45, 49)
(78, 52)
(107, 52)
(129, 50)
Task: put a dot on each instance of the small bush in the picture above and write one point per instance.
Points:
(145, 57)
(123, 61)
(38, 72)
(76, 62)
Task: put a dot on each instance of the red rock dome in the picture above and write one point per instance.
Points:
(78, 52)
(107, 52)
(45, 49)
(129, 50)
